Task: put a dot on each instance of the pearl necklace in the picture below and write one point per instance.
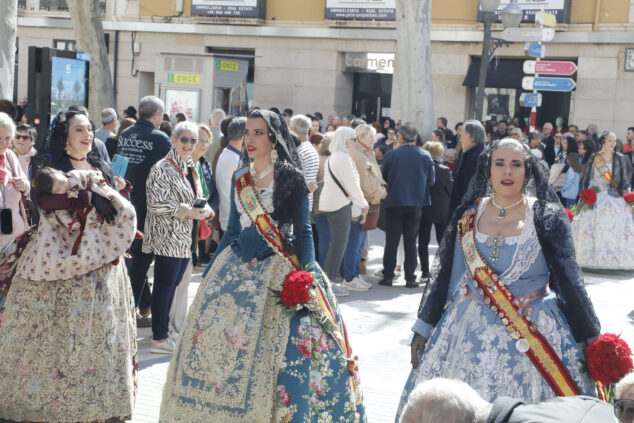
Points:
(262, 174)
(502, 210)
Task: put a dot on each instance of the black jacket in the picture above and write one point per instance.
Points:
(438, 212)
(143, 146)
(553, 231)
(549, 150)
(621, 174)
(578, 409)
(463, 173)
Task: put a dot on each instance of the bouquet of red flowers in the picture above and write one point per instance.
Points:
(609, 359)
(629, 199)
(295, 288)
(588, 198)
(570, 214)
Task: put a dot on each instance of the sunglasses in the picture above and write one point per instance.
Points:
(185, 140)
(624, 410)
(22, 137)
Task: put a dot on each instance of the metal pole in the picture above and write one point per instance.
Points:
(487, 17)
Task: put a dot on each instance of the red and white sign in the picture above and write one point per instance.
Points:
(546, 67)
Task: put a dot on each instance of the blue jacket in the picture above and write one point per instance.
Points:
(409, 172)
(570, 189)
(143, 146)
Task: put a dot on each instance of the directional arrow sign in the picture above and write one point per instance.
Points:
(545, 67)
(535, 50)
(530, 100)
(547, 84)
(528, 34)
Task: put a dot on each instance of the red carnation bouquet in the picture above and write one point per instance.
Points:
(300, 291)
(570, 214)
(609, 359)
(629, 199)
(587, 200)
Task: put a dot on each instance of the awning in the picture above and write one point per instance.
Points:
(502, 73)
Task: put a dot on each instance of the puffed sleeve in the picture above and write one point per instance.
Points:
(553, 230)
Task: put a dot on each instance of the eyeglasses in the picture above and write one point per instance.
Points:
(22, 137)
(185, 140)
(624, 410)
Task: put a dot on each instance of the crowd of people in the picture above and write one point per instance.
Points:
(273, 199)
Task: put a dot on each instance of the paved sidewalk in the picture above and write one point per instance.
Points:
(379, 323)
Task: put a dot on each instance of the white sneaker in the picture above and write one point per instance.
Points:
(379, 273)
(354, 285)
(363, 282)
(339, 291)
(162, 347)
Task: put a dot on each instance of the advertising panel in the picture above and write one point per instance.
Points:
(363, 10)
(532, 7)
(229, 8)
(68, 83)
(182, 101)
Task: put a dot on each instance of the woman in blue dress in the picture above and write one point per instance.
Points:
(510, 236)
(243, 356)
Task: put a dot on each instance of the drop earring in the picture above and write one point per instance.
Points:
(274, 156)
(489, 190)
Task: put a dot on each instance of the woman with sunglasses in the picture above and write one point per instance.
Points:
(173, 212)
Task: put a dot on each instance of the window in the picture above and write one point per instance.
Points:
(61, 6)
(71, 45)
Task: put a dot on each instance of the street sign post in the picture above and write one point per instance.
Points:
(547, 84)
(528, 34)
(546, 19)
(530, 100)
(535, 50)
(547, 67)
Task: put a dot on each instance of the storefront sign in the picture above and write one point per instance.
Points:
(369, 62)
(182, 78)
(362, 10)
(227, 65)
(532, 7)
(230, 73)
(230, 8)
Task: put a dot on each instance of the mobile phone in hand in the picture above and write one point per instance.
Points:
(200, 203)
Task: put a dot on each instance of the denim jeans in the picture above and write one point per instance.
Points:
(352, 255)
(168, 272)
(323, 237)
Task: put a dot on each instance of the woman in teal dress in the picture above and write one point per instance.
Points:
(243, 355)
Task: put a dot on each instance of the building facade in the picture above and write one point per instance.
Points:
(320, 55)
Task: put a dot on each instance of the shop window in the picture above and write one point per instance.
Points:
(62, 6)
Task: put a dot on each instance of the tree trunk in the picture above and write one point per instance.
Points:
(413, 27)
(89, 35)
(8, 30)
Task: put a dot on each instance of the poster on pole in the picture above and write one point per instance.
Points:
(559, 8)
(182, 101)
(230, 8)
(362, 10)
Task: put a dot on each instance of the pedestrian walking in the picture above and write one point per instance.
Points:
(341, 198)
(409, 172)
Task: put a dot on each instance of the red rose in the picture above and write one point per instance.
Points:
(589, 196)
(295, 289)
(609, 359)
(285, 397)
(571, 216)
(629, 197)
(304, 347)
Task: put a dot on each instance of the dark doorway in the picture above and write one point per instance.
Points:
(372, 93)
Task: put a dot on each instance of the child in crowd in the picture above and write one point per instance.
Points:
(570, 189)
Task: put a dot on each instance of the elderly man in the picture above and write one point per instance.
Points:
(308, 156)
(109, 124)
(445, 400)
(143, 145)
(409, 172)
(216, 118)
(472, 141)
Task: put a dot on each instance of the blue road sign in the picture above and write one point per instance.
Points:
(548, 84)
(530, 100)
(535, 50)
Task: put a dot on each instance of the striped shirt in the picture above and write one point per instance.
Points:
(310, 165)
